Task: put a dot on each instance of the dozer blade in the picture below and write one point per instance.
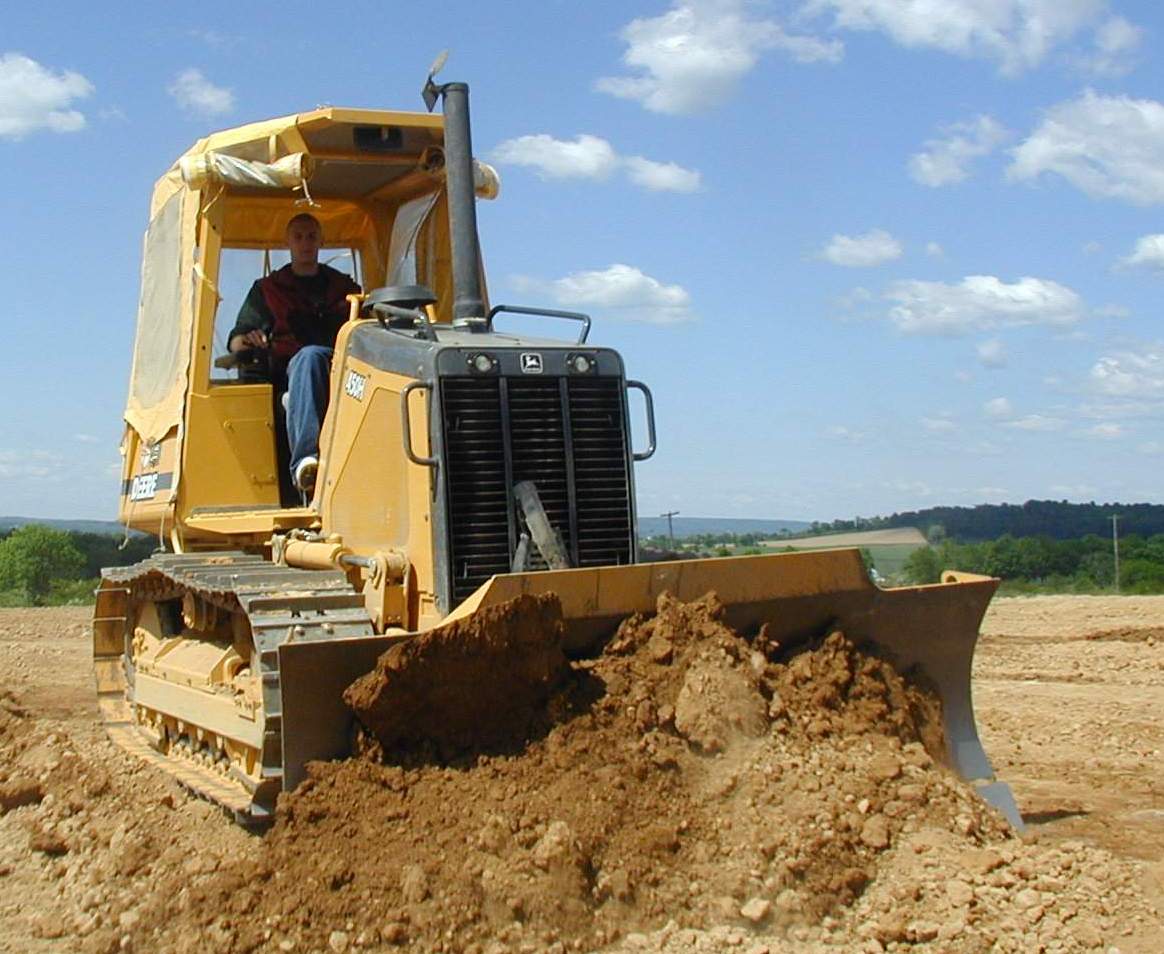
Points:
(929, 631)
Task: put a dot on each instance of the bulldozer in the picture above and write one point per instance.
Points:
(461, 466)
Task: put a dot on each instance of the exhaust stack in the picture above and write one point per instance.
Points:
(467, 300)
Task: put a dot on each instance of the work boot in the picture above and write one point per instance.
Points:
(305, 472)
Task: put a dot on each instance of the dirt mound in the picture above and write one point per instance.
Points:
(686, 776)
(565, 840)
(465, 683)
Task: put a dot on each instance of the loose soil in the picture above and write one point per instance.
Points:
(683, 792)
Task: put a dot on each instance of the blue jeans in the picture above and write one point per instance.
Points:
(308, 375)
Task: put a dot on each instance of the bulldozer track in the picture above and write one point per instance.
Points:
(280, 604)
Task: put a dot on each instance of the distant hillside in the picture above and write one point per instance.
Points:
(79, 526)
(895, 537)
(1056, 519)
(694, 526)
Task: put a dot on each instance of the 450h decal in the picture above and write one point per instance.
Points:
(354, 385)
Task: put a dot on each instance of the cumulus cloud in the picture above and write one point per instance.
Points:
(1137, 376)
(875, 247)
(591, 157)
(946, 159)
(991, 354)
(33, 97)
(1017, 34)
(1110, 147)
(1148, 253)
(196, 94)
(692, 58)
(620, 290)
(584, 157)
(661, 176)
(1114, 48)
(998, 407)
(981, 303)
(934, 250)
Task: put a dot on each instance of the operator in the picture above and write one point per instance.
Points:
(296, 312)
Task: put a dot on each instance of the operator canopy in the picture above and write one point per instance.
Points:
(374, 179)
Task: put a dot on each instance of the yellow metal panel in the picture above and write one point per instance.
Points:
(217, 713)
(230, 449)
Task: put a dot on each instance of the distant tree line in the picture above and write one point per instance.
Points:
(1056, 519)
(40, 566)
(1085, 564)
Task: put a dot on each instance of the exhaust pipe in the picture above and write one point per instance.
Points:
(467, 300)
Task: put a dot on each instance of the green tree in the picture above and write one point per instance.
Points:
(32, 556)
(923, 566)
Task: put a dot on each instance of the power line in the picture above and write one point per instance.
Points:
(670, 529)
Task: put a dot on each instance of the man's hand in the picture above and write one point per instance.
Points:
(252, 339)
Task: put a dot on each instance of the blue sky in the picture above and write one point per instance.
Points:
(870, 255)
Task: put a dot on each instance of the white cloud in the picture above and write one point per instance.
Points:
(1107, 431)
(1110, 147)
(85, 438)
(692, 57)
(661, 176)
(991, 354)
(945, 160)
(591, 157)
(1114, 48)
(1093, 247)
(963, 377)
(37, 464)
(998, 407)
(1018, 34)
(875, 247)
(196, 94)
(934, 250)
(33, 97)
(980, 303)
(939, 425)
(621, 290)
(1036, 422)
(585, 157)
(1113, 311)
(841, 433)
(1148, 253)
(1138, 376)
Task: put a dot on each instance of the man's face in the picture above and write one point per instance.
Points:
(303, 240)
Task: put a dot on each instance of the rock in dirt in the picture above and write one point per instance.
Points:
(18, 792)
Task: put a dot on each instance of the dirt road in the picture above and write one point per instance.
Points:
(97, 853)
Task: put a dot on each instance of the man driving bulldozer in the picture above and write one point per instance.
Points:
(295, 314)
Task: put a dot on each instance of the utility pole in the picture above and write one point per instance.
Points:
(1115, 548)
(670, 529)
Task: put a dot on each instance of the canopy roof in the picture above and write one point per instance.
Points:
(349, 153)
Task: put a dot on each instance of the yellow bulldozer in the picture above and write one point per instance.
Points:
(460, 466)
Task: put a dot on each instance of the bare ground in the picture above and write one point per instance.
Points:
(789, 840)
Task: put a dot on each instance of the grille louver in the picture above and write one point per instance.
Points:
(564, 434)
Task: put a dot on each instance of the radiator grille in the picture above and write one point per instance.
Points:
(567, 436)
